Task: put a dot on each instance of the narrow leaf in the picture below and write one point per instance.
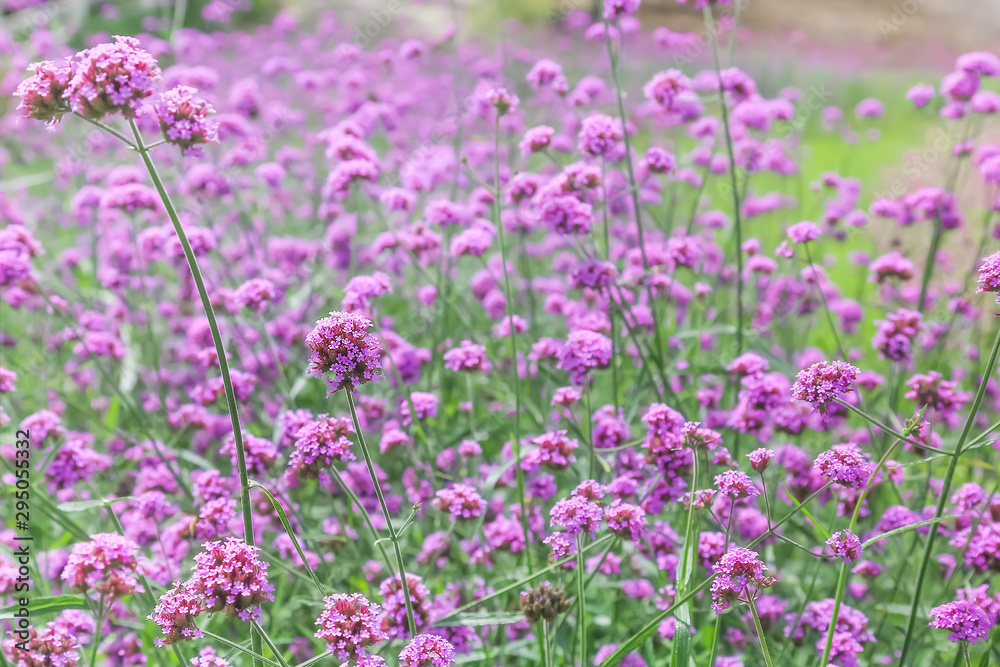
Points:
(288, 529)
(46, 605)
(903, 529)
(816, 523)
(475, 619)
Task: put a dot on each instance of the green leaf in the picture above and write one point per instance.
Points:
(111, 417)
(816, 523)
(985, 660)
(903, 529)
(474, 619)
(47, 605)
(80, 505)
(84, 505)
(291, 534)
(191, 457)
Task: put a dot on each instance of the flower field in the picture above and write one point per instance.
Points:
(376, 342)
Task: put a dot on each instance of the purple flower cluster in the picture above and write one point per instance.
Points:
(342, 346)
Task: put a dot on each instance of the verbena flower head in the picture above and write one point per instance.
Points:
(845, 544)
(824, 381)
(577, 515)
(112, 78)
(989, 274)
(760, 458)
(184, 120)
(349, 624)
(175, 613)
(615, 8)
(736, 485)
(965, 620)
(460, 501)
(206, 658)
(229, 577)
(468, 356)
(626, 520)
(50, 646)
(107, 565)
(342, 346)
(738, 571)
(318, 444)
(545, 602)
(42, 94)
(583, 351)
(427, 651)
(846, 465)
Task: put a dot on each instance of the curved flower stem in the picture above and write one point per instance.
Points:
(760, 632)
(509, 296)
(581, 591)
(385, 513)
(710, 22)
(112, 131)
(220, 350)
(896, 434)
(943, 498)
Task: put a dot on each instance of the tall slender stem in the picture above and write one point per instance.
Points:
(760, 632)
(509, 297)
(385, 513)
(943, 496)
(710, 22)
(581, 592)
(213, 325)
(220, 350)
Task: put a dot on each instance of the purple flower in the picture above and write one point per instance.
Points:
(583, 351)
(846, 465)
(184, 120)
(536, 139)
(577, 515)
(625, 520)
(349, 624)
(845, 544)
(112, 78)
(920, 94)
(989, 274)
(965, 620)
(318, 444)
(461, 501)
(824, 381)
(665, 87)
(107, 564)
(802, 232)
(468, 356)
(737, 571)
(228, 577)
(736, 485)
(175, 613)
(427, 651)
(42, 93)
(341, 345)
(601, 134)
(760, 458)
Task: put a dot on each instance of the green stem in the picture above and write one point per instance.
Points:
(965, 652)
(509, 297)
(943, 499)
(760, 632)
(581, 592)
(403, 583)
(710, 21)
(220, 350)
(98, 632)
